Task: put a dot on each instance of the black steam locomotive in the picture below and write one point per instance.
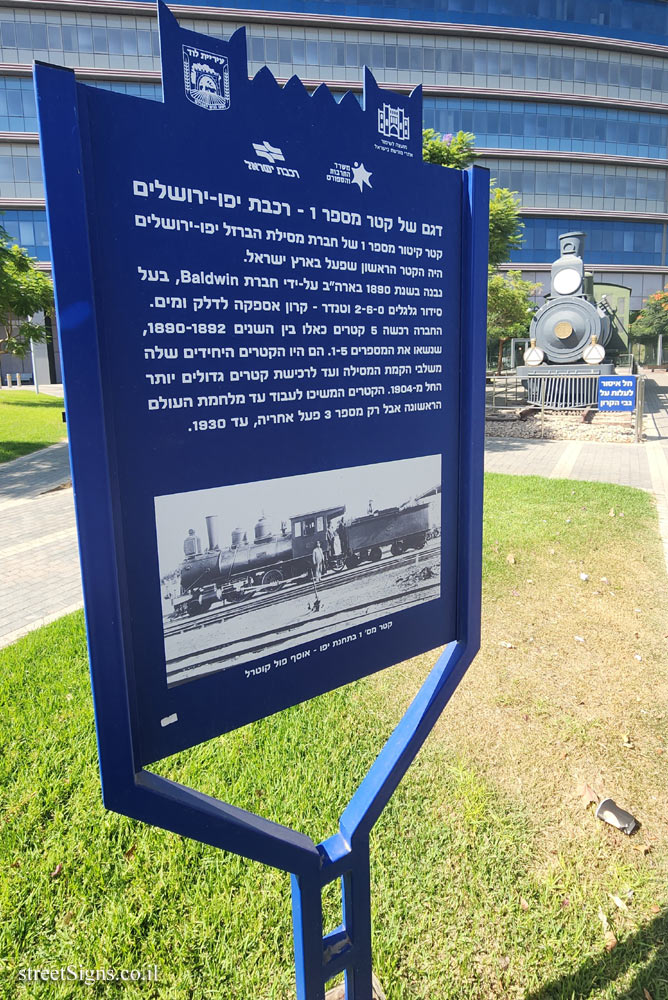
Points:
(272, 558)
(570, 334)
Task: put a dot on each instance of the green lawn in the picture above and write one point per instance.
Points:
(28, 422)
(489, 874)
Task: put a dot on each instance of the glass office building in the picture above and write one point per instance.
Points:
(568, 99)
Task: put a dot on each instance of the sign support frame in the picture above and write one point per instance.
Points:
(127, 787)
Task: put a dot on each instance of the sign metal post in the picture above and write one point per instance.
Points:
(34, 367)
(262, 294)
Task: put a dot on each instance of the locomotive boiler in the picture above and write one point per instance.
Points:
(255, 561)
(570, 335)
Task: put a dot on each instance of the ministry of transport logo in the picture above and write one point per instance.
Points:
(394, 122)
(207, 79)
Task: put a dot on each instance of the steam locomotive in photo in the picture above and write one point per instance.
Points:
(273, 558)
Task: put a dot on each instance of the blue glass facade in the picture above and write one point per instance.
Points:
(152, 91)
(21, 170)
(449, 59)
(29, 230)
(396, 56)
(17, 105)
(608, 187)
(601, 98)
(560, 127)
(115, 40)
(642, 20)
(608, 242)
(17, 99)
(501, 124)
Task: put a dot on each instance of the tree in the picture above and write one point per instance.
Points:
(451, 150)
(509, 305)
(509, 308)
(505, 226)
(24, 291)
(653, 318)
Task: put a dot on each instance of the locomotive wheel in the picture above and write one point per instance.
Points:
(376, 553)
(397, 548)
(353, 560)
(198, 608)
(418, 541)
(337, 564)
(273, 578)
(232, 596)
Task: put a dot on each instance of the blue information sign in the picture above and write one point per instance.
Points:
(617, 392)
(271, 315)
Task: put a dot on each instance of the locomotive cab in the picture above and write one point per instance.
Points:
(307, 529)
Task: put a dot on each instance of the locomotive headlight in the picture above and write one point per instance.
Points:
(567, 281)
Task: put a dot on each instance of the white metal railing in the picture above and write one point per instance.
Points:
(554, 392)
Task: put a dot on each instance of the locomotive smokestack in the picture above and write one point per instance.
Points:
(212, 530)
(571, 243)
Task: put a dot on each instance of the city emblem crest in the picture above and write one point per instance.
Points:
(207, 79)
(394, 122)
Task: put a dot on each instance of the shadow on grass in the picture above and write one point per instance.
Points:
(9, 450)
(28, 397)
(647, 948)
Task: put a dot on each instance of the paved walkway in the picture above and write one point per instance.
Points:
(35, 474)
(54, 389)
(644, 466)
(40, 578)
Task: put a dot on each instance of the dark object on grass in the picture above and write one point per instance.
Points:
(338, 993)
(611, 813)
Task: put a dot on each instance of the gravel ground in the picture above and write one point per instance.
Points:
(562, 426)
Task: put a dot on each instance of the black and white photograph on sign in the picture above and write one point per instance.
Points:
(256, 568)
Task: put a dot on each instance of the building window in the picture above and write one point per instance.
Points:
(29, 230)
(606, 242)
(536, 125)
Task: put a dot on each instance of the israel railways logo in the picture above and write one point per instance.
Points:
(393, 122)
(274, 157)
(207, 79)
(268, 152)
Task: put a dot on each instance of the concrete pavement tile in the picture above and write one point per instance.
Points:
(35, 473)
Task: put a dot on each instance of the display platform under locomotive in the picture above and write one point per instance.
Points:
(572, 334)
(273, 558)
